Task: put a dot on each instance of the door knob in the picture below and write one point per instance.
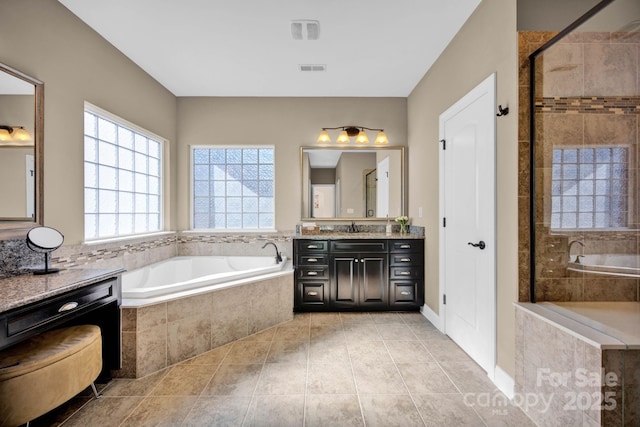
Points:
(480, 244)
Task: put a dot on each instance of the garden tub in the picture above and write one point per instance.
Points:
(183, 273)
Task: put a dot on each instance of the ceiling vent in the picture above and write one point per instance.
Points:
(312, 67)
(305, 29)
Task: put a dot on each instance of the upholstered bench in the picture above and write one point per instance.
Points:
(41, 373)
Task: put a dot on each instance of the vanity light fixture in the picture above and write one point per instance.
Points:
(16, 135)
(348, 131)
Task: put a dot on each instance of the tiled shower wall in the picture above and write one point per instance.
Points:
(575, 109)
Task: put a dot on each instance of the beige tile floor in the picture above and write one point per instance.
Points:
(320, 369)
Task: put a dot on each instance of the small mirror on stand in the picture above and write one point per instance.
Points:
(44, 240)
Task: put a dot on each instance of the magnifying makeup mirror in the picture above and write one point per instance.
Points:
(44, 240)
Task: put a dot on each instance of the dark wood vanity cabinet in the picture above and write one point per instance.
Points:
(312, 274)
(358, 274)
(406, 274)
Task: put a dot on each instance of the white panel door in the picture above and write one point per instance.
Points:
(323, 200)
(467, 240)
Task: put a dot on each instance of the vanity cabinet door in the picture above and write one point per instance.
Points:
(359, 280)
(344, 281)
(373, 281)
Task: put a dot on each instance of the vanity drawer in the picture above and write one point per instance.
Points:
(406, 293)
(67, 305)
(314, 293)
(359, 245)
(401, 259)
(403, 291)
(319, 272)
(406, 273)
(319, 259)
(305, 246)
(416, 245)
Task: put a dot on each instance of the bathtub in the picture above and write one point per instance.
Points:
(183, 273)
(623, 265)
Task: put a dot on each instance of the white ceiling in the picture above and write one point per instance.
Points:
(245, 48)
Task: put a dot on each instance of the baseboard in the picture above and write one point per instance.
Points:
(504, 382)
(431, 316)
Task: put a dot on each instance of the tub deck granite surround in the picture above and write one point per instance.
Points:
(558, 346)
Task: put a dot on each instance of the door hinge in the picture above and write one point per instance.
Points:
(444, 222)
(444, 144)
(444, 299)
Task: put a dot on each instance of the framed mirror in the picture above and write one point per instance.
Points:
(352, 183)
(21, 148)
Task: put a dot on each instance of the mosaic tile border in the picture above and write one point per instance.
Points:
(589, 105)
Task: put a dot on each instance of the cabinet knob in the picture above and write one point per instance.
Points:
(405, 246)
(405, 293)
(312, 273)
(405, 273)
(312, 260)
(405, 259)
(312, 293)
(312, 246)
(68, 306)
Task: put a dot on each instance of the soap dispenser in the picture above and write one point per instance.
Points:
(389, 226)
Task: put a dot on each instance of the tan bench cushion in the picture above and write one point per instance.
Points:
(45, 371)
(45, 349)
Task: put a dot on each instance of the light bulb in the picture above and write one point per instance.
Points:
(382, 138)
(343, 138)
(324, 137)
(362, 137)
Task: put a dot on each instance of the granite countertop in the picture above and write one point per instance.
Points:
(361, 235)
(24, 289)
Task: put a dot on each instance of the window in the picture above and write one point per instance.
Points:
(590, 187)
(122, 177)
(233, 187)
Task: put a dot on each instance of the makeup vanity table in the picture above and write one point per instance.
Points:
(31, 304)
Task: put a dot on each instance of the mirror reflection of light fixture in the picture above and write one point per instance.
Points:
(44, 240)
(15, 135)
(348, 131)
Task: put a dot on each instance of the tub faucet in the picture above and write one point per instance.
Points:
(278, 255)
(577, 260)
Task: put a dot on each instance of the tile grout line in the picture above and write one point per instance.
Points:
(306, 381)
(206, 385)
(353, 375)
(393, 360)
(264, 362)
(453, 382)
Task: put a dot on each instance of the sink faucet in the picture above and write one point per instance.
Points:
(278, 255)
(577, 260)
(353, 228)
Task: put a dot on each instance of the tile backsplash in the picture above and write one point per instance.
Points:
(16, 258)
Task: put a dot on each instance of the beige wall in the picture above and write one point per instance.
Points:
(286, 123)
(479, 49)
(43, 39)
